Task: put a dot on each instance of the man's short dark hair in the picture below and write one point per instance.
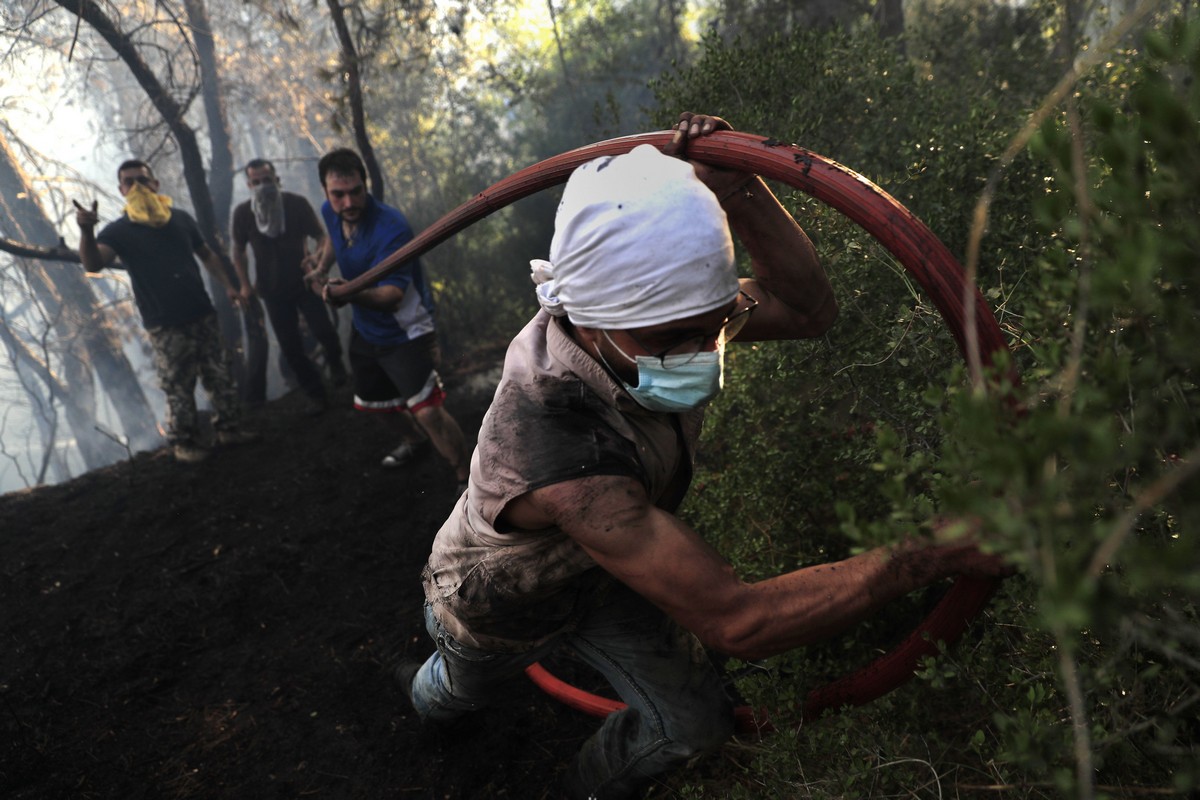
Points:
(133, 163)
(342, 161)
(258, 163)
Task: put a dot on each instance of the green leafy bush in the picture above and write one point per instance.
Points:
(1085, 673)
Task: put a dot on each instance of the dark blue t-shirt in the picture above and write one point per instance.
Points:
(382, 231)
(161, 263)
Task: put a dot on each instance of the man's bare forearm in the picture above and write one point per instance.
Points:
(89, 251)
(812, 604)
(818, 602)
(322, 259)
(212, 262)
(671, 565)
(241, 268)
(214, 266)
(782, 256)
(323, 250)
(378, 298)
(93, 257)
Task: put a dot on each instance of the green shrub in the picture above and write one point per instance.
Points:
(1085, 672)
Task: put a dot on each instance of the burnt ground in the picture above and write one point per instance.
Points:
(220, 630)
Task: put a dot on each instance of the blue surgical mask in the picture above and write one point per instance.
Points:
(674, 384)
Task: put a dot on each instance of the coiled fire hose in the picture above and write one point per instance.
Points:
(924, 257)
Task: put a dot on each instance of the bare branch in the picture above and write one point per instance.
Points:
(75, 35)
(1151, 496)
(59, 252)
(1065, 86)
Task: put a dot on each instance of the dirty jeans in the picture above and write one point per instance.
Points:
(677, 707)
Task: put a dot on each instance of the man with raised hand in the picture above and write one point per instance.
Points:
(158, 246)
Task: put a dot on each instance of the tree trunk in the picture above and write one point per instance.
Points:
(81, 326)
(354, 95)
(1070, 19)
(252, 366)
(220, 178)
(189, 153)
(44, 389)
(43, 413)
(888, 16)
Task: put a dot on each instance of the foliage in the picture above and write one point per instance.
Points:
(1085, 674)
(1095, 501)
(459, 101)
(756, 19)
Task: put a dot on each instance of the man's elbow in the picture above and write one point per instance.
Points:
(735, 635)
(390, 302)
(825, 316)
(91, 266)
(387, 306)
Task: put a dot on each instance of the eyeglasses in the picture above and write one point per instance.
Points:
(130, 180)
(695, 344)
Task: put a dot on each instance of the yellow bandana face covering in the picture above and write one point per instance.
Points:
(147, 208)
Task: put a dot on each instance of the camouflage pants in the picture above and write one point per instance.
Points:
(183, 353)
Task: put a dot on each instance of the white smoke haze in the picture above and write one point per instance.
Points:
(63, 122)
(456, 96)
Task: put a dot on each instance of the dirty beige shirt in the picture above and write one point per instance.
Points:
(557, 415)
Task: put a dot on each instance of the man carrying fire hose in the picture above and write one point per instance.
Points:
(566, 536)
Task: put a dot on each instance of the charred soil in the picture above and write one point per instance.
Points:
(222, 629)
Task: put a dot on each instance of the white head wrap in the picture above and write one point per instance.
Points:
(639, 240)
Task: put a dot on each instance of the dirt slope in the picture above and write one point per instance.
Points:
(217, 630)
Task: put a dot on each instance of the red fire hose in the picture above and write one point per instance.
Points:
(907, 238)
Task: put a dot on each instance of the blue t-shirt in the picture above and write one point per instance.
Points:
(382, 231)
(162, 267)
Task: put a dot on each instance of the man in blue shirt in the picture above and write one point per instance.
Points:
(393, 348)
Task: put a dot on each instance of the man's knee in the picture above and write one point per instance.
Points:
(432, 416)
(425, 411)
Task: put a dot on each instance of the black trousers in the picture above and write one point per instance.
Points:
(284, 313)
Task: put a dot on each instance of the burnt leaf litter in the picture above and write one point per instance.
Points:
(223, 629)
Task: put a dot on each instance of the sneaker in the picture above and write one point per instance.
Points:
(404, 673)
(403, 454)
(189, 452)
(236, 436)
